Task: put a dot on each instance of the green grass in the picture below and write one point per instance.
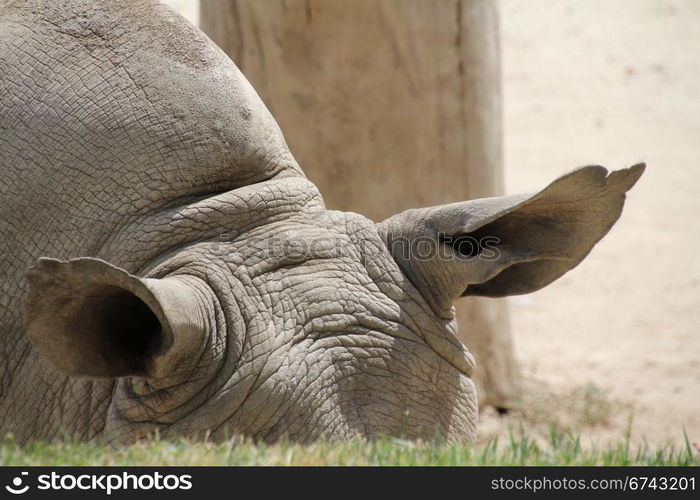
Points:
(563, 448)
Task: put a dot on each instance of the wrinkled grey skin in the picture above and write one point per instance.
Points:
(185, 277)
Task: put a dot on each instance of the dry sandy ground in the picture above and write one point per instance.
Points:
(610, 83)
(614, 83)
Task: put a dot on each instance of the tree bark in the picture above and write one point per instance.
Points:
(387, 105)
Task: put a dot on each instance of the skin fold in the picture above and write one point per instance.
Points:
(166, 266)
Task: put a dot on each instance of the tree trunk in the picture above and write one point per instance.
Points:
(387, 105)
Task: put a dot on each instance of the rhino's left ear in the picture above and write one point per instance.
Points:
(92, 319)
(507, 245)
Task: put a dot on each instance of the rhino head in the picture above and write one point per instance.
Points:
(303, 322)
(252, 309)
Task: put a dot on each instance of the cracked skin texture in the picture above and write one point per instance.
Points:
(126, 135)
(186, 278)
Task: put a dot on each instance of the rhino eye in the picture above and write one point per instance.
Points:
(467, 246)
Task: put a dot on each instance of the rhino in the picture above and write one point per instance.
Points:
(167, 267)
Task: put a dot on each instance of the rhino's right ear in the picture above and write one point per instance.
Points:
(507, 245)
(92, 319)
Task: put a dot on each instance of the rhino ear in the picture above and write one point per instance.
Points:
(509, 245)
(92, 319)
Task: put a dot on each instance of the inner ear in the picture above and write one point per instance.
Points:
(116, 328)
